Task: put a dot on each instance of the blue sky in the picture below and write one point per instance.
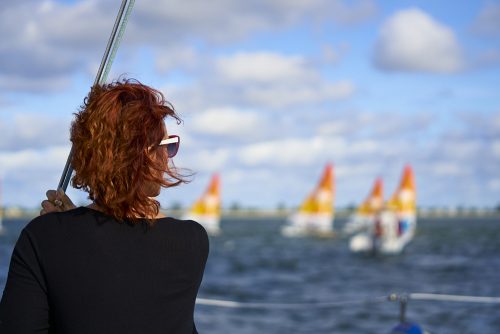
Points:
(270, 91)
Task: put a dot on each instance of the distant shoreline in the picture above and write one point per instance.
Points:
(18, 213)
(346, 214)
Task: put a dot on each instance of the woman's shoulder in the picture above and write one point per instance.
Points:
(184, 224)
(188, 230)
(52, 220)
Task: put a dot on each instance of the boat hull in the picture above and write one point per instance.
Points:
(302, 224)
(357, 223)
(390, 236)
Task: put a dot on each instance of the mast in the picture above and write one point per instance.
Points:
(102, 73)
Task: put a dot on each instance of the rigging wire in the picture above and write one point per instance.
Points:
(103, 71)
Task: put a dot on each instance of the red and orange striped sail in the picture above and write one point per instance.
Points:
(320, 201)
(210, 202)
(404, 198)
(375, 200)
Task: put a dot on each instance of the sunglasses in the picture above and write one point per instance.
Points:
(172, 144)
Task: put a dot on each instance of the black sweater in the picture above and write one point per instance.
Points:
(81, 271)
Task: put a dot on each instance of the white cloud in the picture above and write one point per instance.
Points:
(291, 151)
(33, 131)
(394, 125)
(24, 161)
(229, 122)
(279, 152)
(489, 57)
(53, 40)
(365, 147)
(177, 57)
(353, 172)
(226, 20)
(260, 81)
(287, 94)
(48, 39)
(446, 169)
(27, 174)
(380, 125)
(488, 20)
(411, 40)
(494, 184)
(263, 67)
(495, 148)
(271, 73)
(358, 12)
(278, 80)
(332, 54)
(357, 158)
(460, 149)
(339, 127)
(485, 125)
(204, 160)
(237, 106)
(34, 84)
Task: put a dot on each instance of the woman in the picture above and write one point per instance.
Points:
(117, 265)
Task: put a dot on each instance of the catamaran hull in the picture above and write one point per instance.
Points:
(396, 232)
(366, 243)
(357, 223)
(302, 224)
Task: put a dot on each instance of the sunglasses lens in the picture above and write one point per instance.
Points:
(172, 149)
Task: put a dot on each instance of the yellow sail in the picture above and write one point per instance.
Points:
(209, 203)
(404, 198)
(321, 199)
(375, 200)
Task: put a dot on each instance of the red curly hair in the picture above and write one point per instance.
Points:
(112, 137)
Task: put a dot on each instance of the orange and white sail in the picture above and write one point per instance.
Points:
(315, 215)
(320, 201)
(207, 209)
(403, 201)
(365, 215)
(375, 200)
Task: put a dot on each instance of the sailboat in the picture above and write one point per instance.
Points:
(394, 226)
(206, 210)
(315, 215)
(365, 215)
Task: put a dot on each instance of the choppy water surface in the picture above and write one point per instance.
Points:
(252, 262)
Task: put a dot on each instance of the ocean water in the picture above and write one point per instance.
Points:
(251, 262)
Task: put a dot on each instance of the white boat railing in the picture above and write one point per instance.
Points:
(404, 297)
(253, 305)
(393, 297)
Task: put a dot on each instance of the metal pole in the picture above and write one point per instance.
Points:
(102, 73)
(403, 300)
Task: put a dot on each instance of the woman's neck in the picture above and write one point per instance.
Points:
(96, 207)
